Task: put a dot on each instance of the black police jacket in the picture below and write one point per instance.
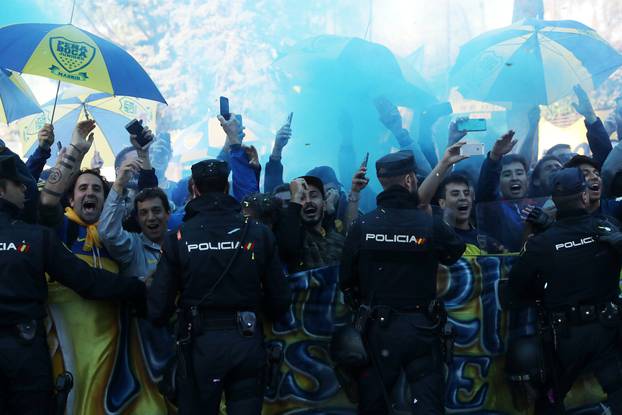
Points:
(391, 254)
(566, 265)
(27, 252)
(195, 256)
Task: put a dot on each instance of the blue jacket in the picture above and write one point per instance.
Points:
(244, 177)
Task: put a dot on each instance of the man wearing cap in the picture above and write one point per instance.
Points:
(27, 253)
(573, 269)
(303, 240)
(336, 199)
(218, 269)
(389, 263)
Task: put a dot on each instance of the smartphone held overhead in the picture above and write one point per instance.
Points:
(224, 108)
(471, 124)
(136, 128)
(472, 149)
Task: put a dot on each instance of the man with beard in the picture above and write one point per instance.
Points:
(389, 264)
(303, 242)
(503, 179)
(104, 382)
(28, 252)
(336, 199)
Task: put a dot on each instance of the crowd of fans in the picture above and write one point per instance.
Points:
(311, 214)
(121, 226)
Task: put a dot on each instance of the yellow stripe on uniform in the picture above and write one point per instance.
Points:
(69, 55)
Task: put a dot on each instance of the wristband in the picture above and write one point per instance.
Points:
(51, 192)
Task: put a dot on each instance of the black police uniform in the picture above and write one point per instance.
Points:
(575, 276)
(27, 252)
(196, 260)
(390, 258)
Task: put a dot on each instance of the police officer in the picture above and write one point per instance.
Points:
(573, 269)
(220, 265)
(389, 263)
(27, 252)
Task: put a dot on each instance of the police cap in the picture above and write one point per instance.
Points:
(396, 164)
(9, 170)
(568, 181)
(209, 169)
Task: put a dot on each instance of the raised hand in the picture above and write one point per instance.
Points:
(503, 145)
(283, 136)
(298, 188)
(389, 115)
(359, 180)
(82, 136)
(584, 106)
(46, 136)
(127, 170)
(454, 135)
(452, 154)
(233, 128)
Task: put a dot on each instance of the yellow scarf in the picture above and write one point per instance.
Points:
(92, 236)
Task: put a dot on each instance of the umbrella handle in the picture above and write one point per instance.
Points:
(55, 99)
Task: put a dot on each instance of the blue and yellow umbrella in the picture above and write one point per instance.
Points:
(69, 54)
(533, 62)
(110, 112)
(16, 99)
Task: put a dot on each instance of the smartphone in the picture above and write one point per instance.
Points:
(136, 128)
(471, 124)
(59, 146)
(289, 118)
(472, 149)
(224, 108)
(366, 159)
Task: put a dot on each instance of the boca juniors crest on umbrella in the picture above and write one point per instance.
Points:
(69, 54)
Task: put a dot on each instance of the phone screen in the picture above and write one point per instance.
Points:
(472, 149)
(471, 124)
(224, 107)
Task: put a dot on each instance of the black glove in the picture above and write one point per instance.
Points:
(539, 219)
(609, 234)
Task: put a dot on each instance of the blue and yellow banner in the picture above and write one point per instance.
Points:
(476, 382)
